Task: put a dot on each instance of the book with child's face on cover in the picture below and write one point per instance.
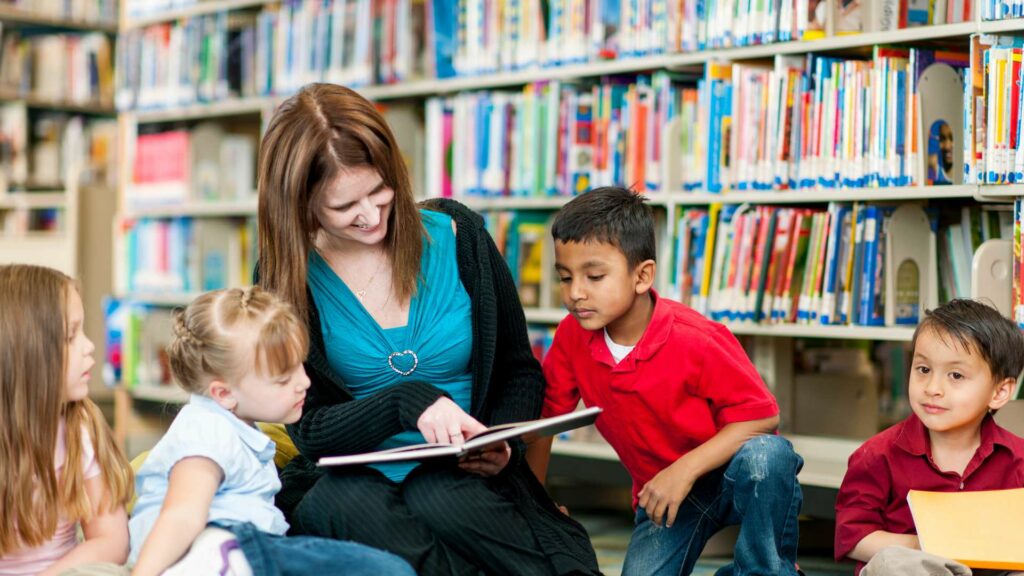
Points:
(978, 529)
(484, 440)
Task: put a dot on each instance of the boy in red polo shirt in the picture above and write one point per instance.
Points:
(684, 408)
(966, 361)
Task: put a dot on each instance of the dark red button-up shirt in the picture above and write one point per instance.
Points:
(881, 472)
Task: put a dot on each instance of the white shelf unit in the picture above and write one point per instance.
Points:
(169, 394)
(16, 16)
(198, 8)
(57, 249)
(825, 457)
(212, 209)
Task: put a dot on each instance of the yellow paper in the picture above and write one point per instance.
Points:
(979, 529)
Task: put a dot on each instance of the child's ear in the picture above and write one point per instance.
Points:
(1003, 393)
(645, 276)
(223, 395)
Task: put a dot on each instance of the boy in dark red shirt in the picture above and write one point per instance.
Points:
(684, 408)
(966, 361)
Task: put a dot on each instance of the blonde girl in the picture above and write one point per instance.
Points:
(208, 486)
(59, 467)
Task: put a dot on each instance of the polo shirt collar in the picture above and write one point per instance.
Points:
(914, 440)
(653, 338)
(260, 443)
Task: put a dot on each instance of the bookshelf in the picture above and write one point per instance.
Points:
(59, 145)
(774, 344)
(24, 16)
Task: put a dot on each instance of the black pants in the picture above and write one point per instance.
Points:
(440, 519)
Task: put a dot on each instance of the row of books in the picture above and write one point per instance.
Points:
(1001, 9)
(137, 336)
(67, 67)
(798, 123)
(18, 222)
(524, 239)
(201, 164)
(90, 10)
(282, 47)
(849, 264)
(993, 101)
(184, 255)
(541, 337)
(274, 51)
(1017, 289)
(556, 138)
(36, 150)
(529, 33)
(825, 122)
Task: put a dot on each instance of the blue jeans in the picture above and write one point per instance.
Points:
(271, 555)
(757, 489)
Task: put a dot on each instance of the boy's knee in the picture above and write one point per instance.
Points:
(766, 457)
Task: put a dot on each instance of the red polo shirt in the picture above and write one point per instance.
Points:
(881, 472)
(686, 378)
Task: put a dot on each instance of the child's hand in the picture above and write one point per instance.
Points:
(487, 462)
(663, 494)
(443, 422)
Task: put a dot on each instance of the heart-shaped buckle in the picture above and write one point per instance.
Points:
(415, 361)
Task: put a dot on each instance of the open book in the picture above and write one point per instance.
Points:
(977, 529)
(494, 435)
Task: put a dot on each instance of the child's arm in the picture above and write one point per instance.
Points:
(873, 543)
(538, 455)
(561, 395)
(106, 534)
(864, 497)
(663, 494)
(193, 483)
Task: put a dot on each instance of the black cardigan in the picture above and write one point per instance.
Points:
(508, 386)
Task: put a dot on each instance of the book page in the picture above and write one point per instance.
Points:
(482, 441)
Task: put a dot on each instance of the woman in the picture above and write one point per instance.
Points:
(416, 333)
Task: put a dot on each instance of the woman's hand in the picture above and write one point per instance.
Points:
(488, 461)
(443, 422)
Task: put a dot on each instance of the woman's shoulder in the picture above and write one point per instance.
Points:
(466, 220)
(436, 221)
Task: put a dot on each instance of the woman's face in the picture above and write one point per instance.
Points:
(355, 207)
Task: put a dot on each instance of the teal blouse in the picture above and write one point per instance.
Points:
(435, 346)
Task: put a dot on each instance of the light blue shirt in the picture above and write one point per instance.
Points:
(244, 454)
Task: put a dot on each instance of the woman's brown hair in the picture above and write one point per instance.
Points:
(312, 138)
(33, 367)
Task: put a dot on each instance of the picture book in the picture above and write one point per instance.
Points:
(493, 435)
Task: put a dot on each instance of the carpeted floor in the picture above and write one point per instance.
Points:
(610, 531)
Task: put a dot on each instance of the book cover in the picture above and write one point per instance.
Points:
(978, 529)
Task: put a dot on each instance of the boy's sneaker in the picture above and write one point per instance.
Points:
(215, 552)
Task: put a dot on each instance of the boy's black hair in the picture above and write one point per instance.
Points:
(611, 215)
(982, 328)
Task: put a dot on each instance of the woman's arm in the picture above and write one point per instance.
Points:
(333, 423)
(106, 534)
(193, 483)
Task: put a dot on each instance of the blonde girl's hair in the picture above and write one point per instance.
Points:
(315, 135)
(223, 334)
(33, 326)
